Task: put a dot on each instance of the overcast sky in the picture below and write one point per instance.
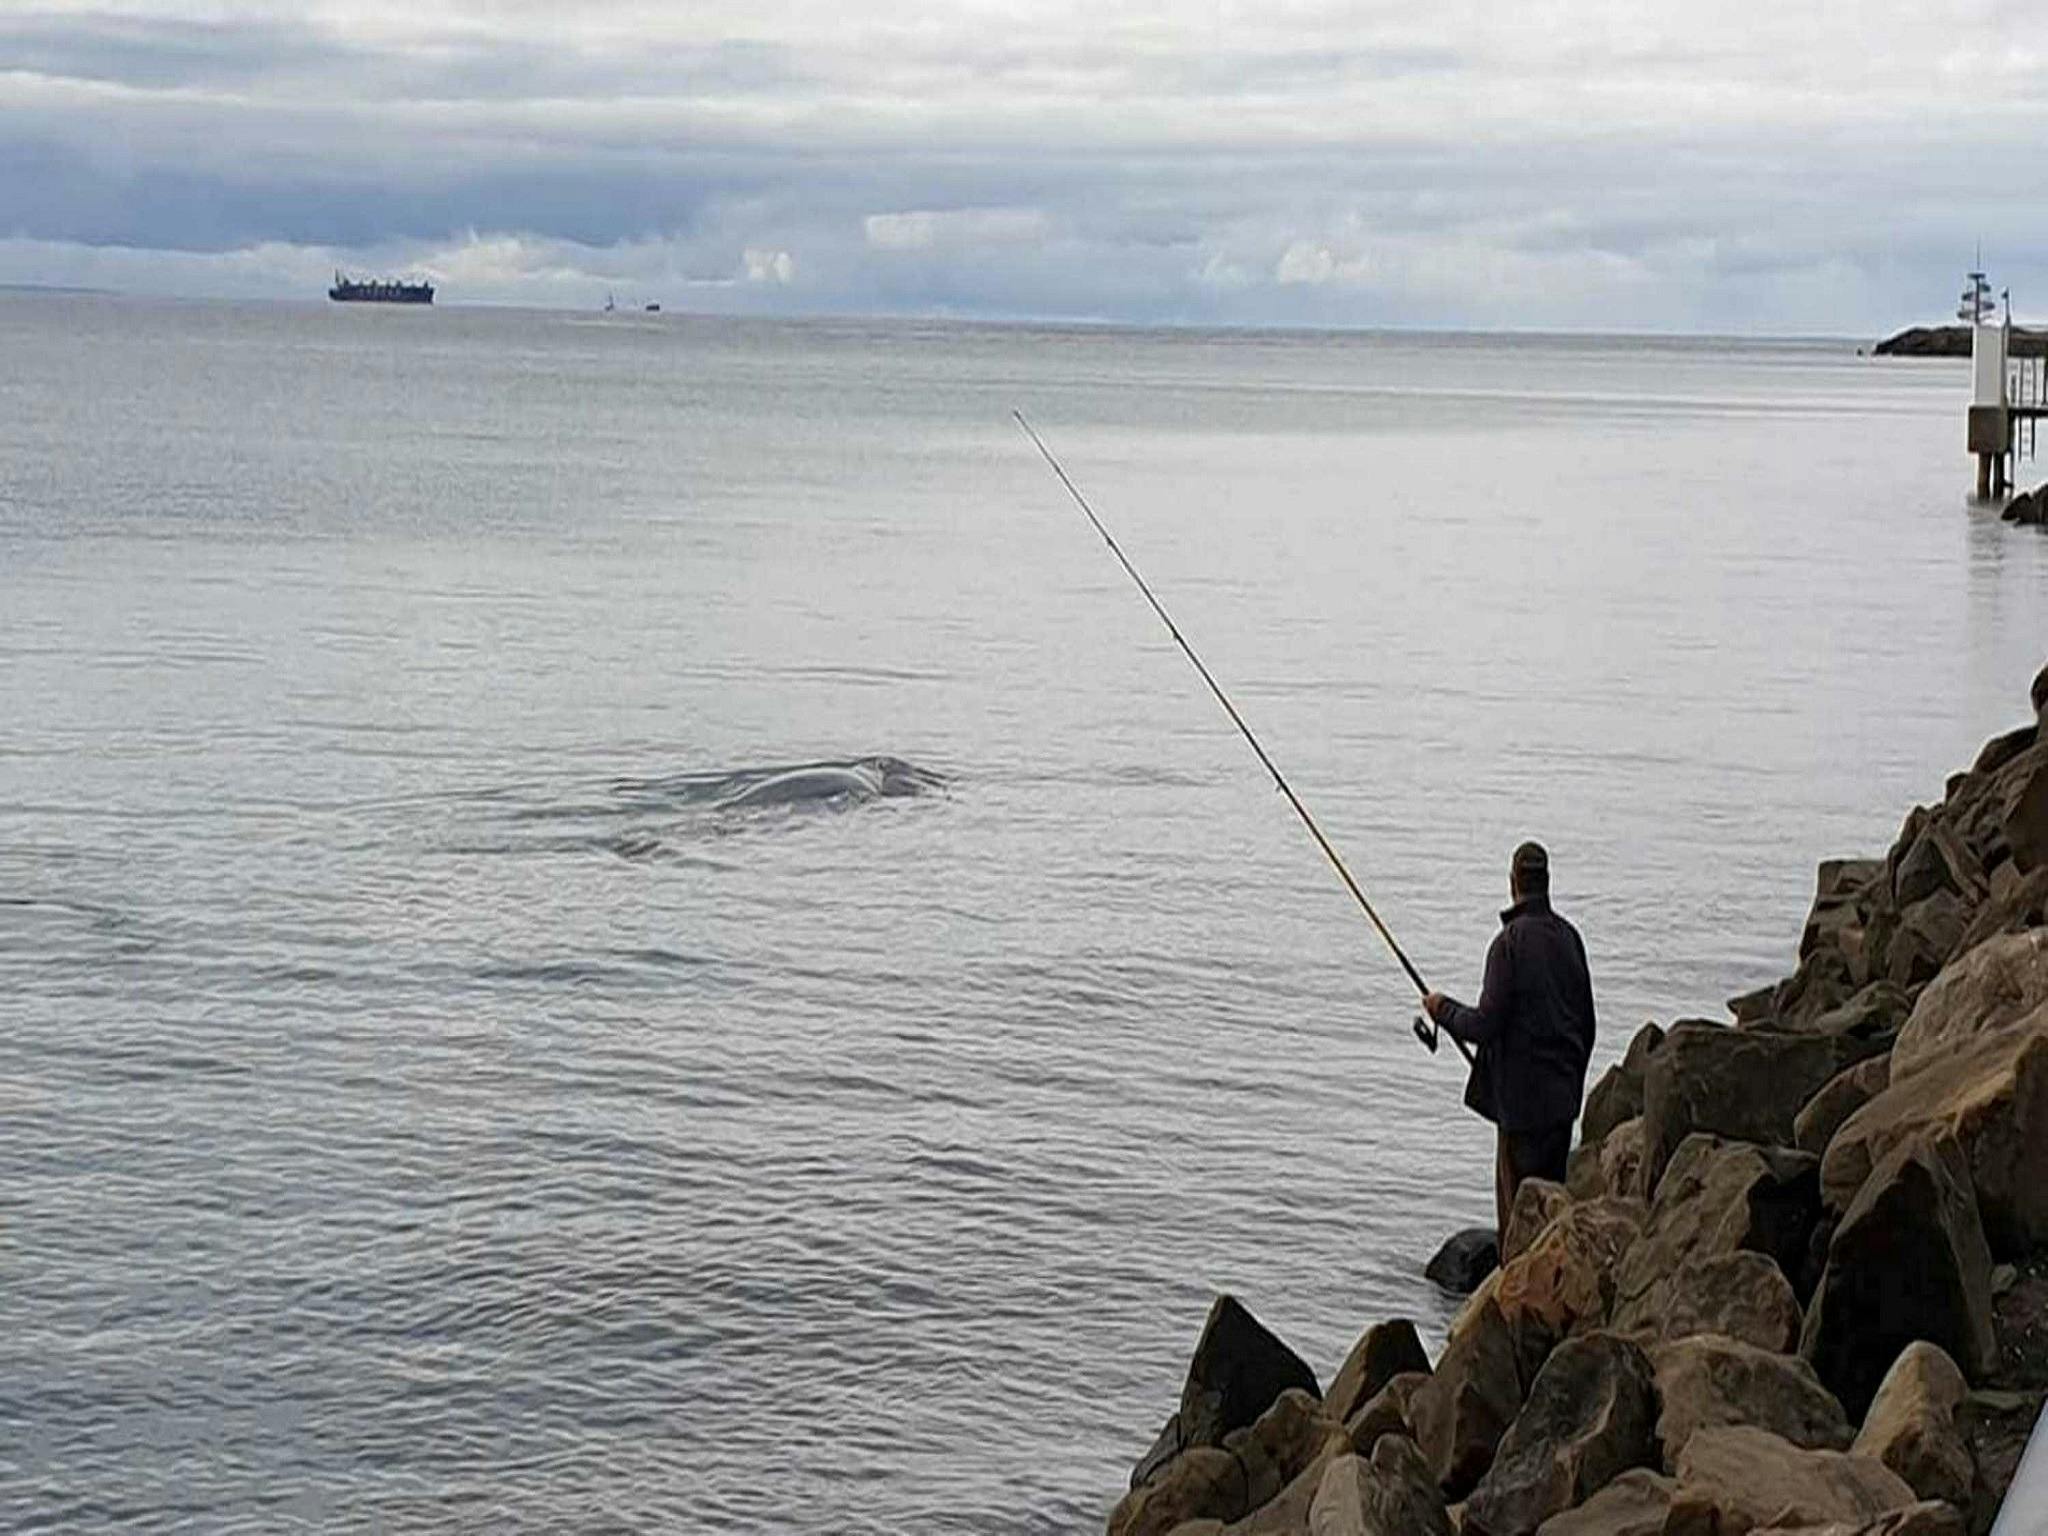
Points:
(1756, 166)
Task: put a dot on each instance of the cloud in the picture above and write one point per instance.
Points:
(1572, 162)
(954, 229)
(1308, 261)
(764, 266)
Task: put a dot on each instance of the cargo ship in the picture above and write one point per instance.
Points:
(355, 290)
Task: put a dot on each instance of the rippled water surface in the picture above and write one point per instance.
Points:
(434, 1094)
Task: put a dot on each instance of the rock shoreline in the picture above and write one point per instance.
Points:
(1953, 341)
(1796, 1280)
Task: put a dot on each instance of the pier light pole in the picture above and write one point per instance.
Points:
(1990, 418)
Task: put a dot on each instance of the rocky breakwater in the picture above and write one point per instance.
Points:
(1796, 1281)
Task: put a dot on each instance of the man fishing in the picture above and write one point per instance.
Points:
(1534, 1030)
(1534, 1022)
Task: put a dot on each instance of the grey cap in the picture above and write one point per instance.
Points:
(1530, 868)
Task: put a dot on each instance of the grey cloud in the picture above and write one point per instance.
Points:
(1392, 166)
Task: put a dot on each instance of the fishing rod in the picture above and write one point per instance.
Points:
(1425, 1032)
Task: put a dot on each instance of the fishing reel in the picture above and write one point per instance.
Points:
(1426, 1032)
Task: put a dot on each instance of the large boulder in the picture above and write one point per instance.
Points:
(1589, 1418)
(1537, 1203)
(1717, 1197)
(1734, 1479)
(1466, 1405)
(1238, 1370)
(1913, 1425)
(1618, 1095)
(1634, 1504)
(1389, 1493)
(1564, 1282)
(1992, 1101)
(1740, 1295)
(1908, 1261)
(1466, 1258)
(1386, 1350)
(1743, 1084)
(1837, 1099)
(1993, 986)
(1708, 1381)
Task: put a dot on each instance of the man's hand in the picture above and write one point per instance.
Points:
(1431, 1001)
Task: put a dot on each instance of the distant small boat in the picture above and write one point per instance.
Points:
(356, 290)
(654, 309)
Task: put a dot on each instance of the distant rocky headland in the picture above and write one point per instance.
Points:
(1796, 1280)
(1954, 341)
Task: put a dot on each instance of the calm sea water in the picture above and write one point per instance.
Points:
(421, 1108)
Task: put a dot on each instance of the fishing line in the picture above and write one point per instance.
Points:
(1425, 1033)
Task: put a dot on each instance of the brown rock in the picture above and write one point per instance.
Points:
(1582, 1175)
(1618, 1095)
(1839, 1098)
(1990, 988)
(1716, 1198)
(1634, 1504)
(1385, 1351)
(1287, 1440)
(1939, 860)
(1736, 1478)
(1588, 1419)
(1923, 1519)
(1992, 1101)
(1907, 1262)
(1537, 1201)
(2026, 820)
(1928, 933)
(1466, 1405)
(1744, 1084)
(1739, 1295)
(1621, 1158)
(1912, 1424)
(2017, 902)
(1386, 1413)
(1710, 1381)
(1564, 1283)
(1205, 1482)
(1390, 1493)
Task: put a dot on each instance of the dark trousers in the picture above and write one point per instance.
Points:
(1519, 1155)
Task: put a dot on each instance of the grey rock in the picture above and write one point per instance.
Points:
(1907, 1262)
(1589, 1417)
(1465, 1259)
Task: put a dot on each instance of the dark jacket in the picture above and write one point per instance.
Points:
(1534, 1022)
